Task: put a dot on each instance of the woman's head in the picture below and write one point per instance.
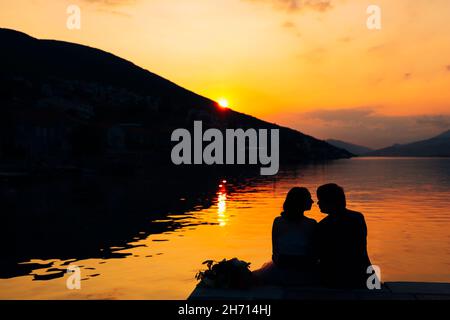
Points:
(298, 200)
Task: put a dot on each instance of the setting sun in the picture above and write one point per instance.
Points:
(223, 103)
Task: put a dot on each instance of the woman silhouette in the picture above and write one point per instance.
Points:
(294, 255)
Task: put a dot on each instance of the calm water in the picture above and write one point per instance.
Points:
(406, 203)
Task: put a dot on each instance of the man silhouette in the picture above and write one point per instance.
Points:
(341, 240)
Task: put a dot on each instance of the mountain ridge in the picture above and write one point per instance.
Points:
(96, 93)
(438, 146)
(350, 147)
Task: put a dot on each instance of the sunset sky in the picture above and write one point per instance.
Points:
(312, 65)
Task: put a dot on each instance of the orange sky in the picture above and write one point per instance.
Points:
(285, 61)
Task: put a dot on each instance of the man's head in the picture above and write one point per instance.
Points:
(331, 198)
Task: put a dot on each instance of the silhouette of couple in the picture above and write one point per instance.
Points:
(332, 253)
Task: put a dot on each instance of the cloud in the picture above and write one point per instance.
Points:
(381, 48)
(298, 5)
(439, 121)
(316, 55)
(341, 115)
(447, 68)
(365, 126)
(111, 3)
(289, 25)
(345, 39)
(407, 76)
(292, 27)
(111, 6)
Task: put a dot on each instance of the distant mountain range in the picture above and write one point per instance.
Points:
(438, 146)
(61, 101)
(350, 147)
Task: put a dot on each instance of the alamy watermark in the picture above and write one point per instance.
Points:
(240, 147)
(374, 19)
(73, 282)
(374, 280)
(73, 21)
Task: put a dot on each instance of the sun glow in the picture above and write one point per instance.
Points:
(223, 103)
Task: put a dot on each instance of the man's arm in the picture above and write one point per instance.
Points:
(275, 233)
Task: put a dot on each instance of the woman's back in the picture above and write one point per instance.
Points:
(294, 238)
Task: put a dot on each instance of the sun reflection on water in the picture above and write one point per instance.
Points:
(222, 206)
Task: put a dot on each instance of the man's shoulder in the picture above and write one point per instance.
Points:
(310, 221)
(324, 221)
(355, 216)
